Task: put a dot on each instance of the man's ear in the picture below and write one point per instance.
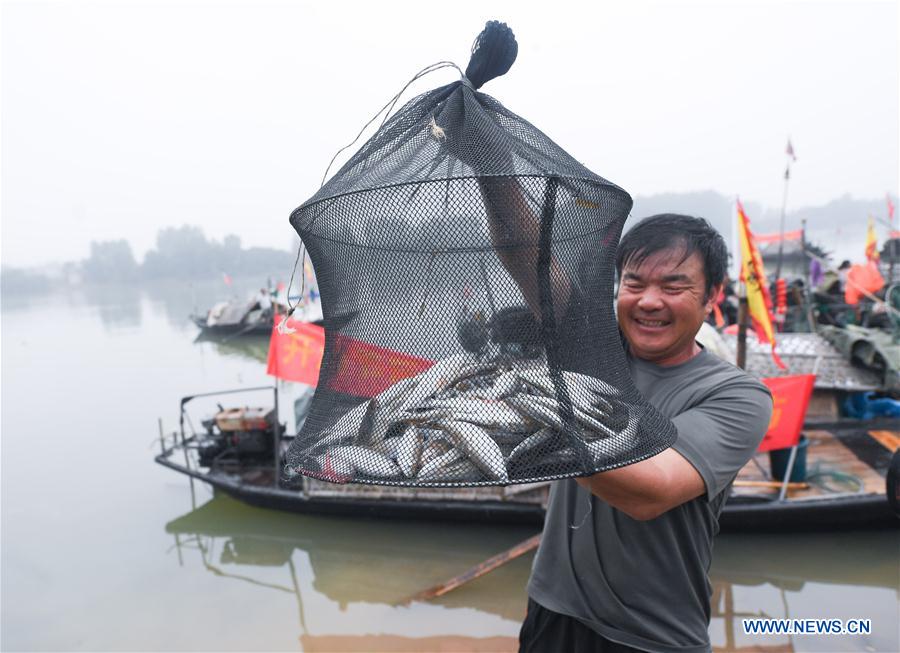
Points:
(713, 296)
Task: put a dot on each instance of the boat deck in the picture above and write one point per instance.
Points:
(535, 493)
(832, 467)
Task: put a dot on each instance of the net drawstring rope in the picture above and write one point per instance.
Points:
(386, 109)
(439, 65)
(283, 327)
(590, 508)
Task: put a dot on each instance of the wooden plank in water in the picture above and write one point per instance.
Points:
(890, 440)
(480, 569)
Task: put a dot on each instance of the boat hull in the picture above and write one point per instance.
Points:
(870, 511)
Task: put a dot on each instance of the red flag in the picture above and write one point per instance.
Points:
(790, 151)
(790, 397)
(296, 356)
(226, 278)
(774, 238)
(365, 369)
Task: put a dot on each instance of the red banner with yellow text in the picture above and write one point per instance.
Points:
(296, 356)
(790, 398)
(364, 369)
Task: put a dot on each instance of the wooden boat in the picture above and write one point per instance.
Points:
(846, 488)
(244, 317)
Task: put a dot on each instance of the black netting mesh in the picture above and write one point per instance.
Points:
(466, 269)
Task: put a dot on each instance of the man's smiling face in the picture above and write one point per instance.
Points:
(662, 303)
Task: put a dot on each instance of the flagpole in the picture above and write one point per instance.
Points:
(787, 178)
(742, 326)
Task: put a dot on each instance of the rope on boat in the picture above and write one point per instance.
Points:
(820, 475)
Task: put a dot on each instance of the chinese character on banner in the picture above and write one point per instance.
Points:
(790, 397)
(296, 356)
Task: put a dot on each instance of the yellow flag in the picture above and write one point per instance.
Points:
(871, 242)
(759, 302)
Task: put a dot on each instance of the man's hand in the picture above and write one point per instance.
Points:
(647, 489)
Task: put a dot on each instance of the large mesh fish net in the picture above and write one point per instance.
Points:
(466, 270)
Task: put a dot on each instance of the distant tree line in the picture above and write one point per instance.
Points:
(180, 253)
(13, 280)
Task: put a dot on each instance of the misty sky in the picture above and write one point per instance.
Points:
(119, 118)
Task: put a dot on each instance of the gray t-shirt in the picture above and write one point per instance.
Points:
(645, 583)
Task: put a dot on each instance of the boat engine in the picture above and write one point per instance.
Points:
(238, 435)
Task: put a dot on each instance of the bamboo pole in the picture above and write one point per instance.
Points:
(480, 569)
(775, 485)
(787, 178)
(162, 437)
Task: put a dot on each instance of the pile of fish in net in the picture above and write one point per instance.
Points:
(466, 420)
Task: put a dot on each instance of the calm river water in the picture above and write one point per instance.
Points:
(102, 549)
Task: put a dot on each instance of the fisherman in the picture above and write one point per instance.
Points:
(624, 555)
(264, 302)
(843, 273)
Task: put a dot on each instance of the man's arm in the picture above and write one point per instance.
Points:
(715, 440)
(647, 489)
(512, 222)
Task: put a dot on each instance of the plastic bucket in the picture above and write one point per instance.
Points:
(778, 462)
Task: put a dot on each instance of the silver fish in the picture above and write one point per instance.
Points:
(385, 407)
(367, 461)
(596, 428)
(346, 429)
(461, 470)
(510, 439)
(409, 451)
(395, 393)
(500, 387)
(605, 410)
(539, 412)
(479, 447)
(530, 443)
(431, 450)
(483, 412)
(432, 469)
(599, 450)
(330, 468)
(541, 379)
(441, 375)
(391, 444)
(599, 406)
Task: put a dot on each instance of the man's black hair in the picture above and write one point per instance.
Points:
(670, 230)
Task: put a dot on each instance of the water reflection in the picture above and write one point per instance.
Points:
(806, 576)
(352, 580)
(245, 346)
(344, 573)
(117, 305)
